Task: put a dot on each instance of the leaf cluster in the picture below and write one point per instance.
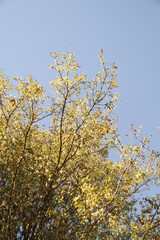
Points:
(62, 180)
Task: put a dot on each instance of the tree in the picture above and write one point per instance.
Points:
(62, 180)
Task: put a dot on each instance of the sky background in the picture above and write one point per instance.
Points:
(127, 30)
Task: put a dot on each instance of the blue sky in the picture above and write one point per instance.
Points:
(128, 32)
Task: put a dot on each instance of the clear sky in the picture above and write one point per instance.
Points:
(127, 30)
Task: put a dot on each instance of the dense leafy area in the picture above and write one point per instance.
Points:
(73, 178)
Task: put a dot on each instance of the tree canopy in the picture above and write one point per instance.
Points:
(71, 176)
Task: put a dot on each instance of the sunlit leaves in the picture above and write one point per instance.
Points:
(71, 177)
